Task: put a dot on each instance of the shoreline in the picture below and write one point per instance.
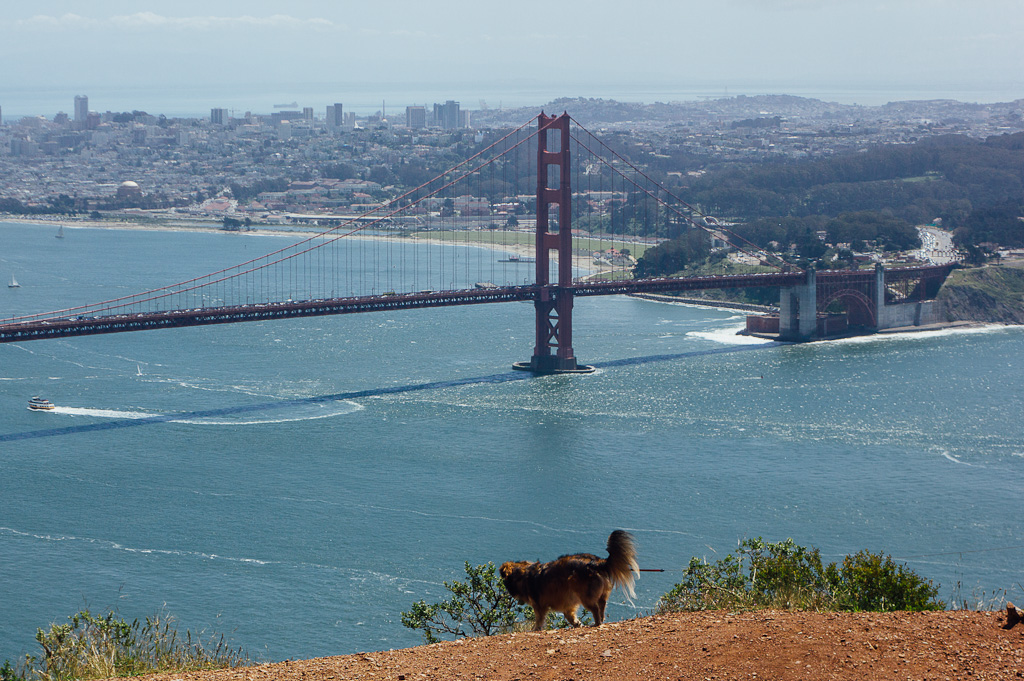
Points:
(726, 306)
(212, 227)
(583, 263)
(705, 302)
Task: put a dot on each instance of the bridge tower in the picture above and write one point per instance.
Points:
(798, 309)
(552, 353)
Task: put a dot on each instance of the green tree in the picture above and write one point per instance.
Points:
(448, 208)
(669, 257)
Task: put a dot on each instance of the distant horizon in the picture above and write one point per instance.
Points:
(368, 99)
(189, 56)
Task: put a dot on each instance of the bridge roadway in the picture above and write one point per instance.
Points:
(87, 323)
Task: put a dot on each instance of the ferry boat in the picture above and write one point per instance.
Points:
(518, 258)
(40, 404)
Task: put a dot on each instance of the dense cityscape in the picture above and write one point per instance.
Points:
(298, 162)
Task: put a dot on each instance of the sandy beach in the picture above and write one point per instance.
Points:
(584, 263)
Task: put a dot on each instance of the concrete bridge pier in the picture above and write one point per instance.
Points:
(879, 297)
(798, 310)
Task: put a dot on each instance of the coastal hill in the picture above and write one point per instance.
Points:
(779, 645)
(984, 294)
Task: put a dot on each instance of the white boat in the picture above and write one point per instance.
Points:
(14, 283)
(60, 232)
(40, 404)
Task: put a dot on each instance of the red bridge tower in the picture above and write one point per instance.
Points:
(553, 303)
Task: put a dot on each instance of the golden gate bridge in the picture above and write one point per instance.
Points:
(569, 212)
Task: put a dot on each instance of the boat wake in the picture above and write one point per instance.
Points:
(296, 412)
(239, 416)
(102, 413)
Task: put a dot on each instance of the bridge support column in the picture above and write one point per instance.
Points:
(553, 304)
(880, 321)
(798, 310)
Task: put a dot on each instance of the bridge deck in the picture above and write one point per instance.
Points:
(82, 325)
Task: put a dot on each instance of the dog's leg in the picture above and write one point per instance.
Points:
(573, 619)
(598, 609)
(540, 619)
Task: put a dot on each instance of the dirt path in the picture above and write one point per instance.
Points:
(703, 646)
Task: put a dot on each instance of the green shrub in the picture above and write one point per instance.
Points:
(91, 647)
(787, 576)
(9, 673)
(480, 606)
(871, 581)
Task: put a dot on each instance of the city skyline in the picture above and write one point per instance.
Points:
(575, 49)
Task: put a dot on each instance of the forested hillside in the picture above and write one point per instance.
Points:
(975, 186)
(872, 198)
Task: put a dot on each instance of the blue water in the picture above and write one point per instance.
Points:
(297, 484)
(366, 99)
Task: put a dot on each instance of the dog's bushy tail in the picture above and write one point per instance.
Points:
(621, 566)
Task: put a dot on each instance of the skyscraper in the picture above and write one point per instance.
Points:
(218, 116)
(81, 108)
(446, 116)
(335, 117)
(415, 117)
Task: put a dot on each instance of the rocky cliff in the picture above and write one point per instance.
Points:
(985, 294)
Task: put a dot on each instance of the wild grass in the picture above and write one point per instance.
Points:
(91, 647)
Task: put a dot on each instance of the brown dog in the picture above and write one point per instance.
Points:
(571, 581)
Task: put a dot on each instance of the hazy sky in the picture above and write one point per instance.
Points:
(576, 45)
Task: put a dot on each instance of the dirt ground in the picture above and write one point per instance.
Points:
(702, 646)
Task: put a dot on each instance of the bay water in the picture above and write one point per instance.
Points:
(364, 99)
(297, 484)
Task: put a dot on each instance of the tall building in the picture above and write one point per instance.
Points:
(81, 108)
(415, 117)
(335, 116)
(218, 116)
(446, 116)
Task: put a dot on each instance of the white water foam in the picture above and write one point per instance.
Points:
(926, 335)
(116, 546)
(310, 412)
(729, 336)
(103, 413)
(286, 414)
(954, 459)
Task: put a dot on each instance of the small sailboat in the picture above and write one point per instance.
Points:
(138, 368)
(60, 232)
(14, 283)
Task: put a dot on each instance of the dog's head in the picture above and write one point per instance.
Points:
(515, 575)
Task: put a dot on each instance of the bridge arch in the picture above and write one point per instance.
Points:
(860, 310)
